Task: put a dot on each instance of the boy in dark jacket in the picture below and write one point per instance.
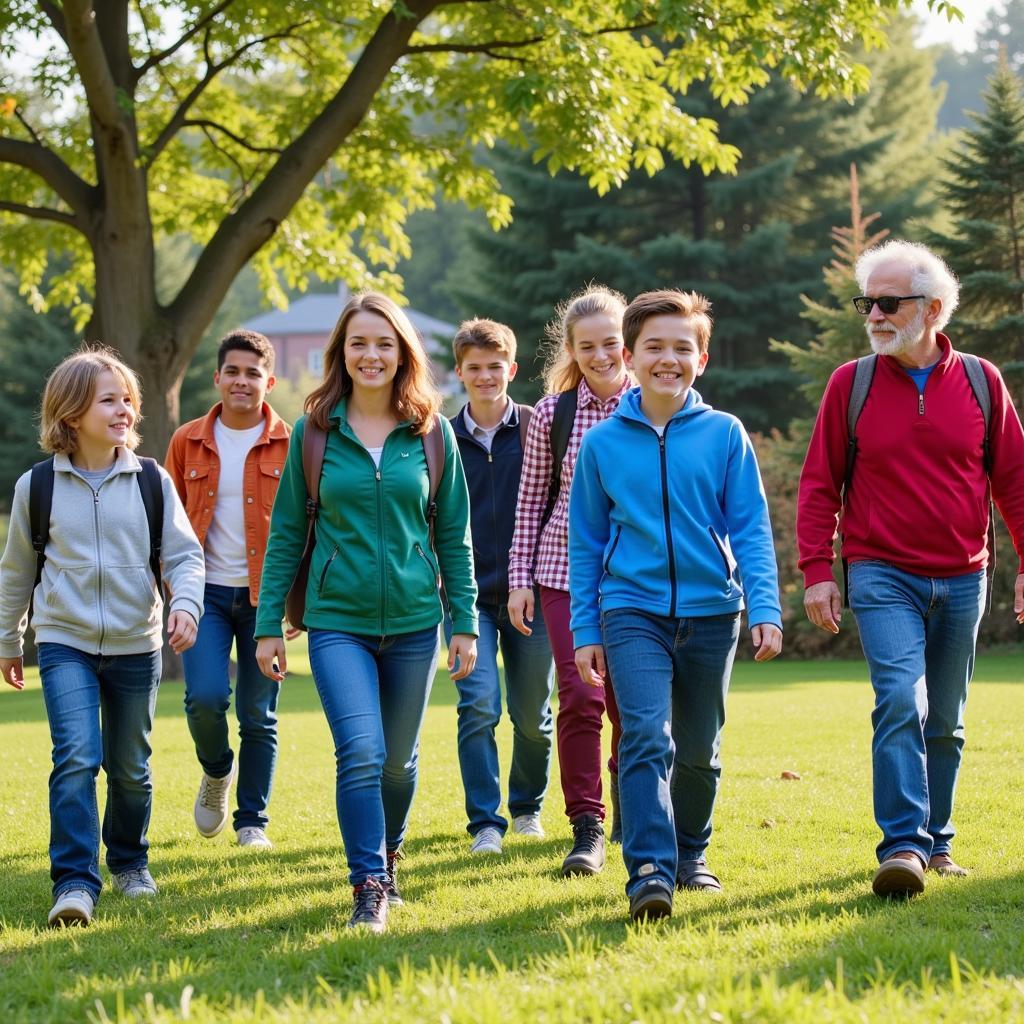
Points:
(489, 430)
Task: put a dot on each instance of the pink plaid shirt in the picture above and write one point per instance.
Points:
(547, 563)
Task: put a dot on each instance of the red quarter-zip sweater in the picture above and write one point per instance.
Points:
(919, 496)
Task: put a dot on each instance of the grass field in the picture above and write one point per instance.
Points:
(796, 937)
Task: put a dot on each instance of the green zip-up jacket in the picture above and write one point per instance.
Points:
(373, 572)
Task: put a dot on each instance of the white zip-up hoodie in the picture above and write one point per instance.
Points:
(97, 593)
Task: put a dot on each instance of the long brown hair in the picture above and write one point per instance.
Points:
(561, 371)
(414, 395)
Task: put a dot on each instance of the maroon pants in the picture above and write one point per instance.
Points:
(580, 711)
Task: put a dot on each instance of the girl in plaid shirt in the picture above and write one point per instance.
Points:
(586, 355)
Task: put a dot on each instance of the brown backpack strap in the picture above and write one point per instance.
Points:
(525, 415)
(433, 449)
(314, 444)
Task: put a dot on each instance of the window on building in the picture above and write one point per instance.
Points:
(315, 361)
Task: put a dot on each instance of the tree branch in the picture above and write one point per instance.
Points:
(93, 68)
(515, 44)
(76, 192)
(56, 18)
(190, 122)
(40, 213)
(157, 58)
(178, 118)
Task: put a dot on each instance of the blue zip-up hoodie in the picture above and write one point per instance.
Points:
(493, 480)
(660, 523)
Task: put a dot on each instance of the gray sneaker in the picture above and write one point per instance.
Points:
(212, 808)
(254, 836)
(487, 840)
(528, 825)
(135, 883)
(72, 907)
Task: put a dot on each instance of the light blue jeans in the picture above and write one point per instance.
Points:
(100, 711)
(229, 618)
(918, 634)
(671, 677)
(529, 675)
(374, 690)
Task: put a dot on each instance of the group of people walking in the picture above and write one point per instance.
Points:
(611, 536)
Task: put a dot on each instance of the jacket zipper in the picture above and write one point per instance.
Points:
(382, 604)
(426, 561)
(323, 572)
(99, 567)
(611, 551)
(668, 523)
(721, 551)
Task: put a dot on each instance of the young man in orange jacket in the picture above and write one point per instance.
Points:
(226, 466)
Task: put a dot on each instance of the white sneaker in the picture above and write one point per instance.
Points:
(212, 808)
(487, 840)
(134, 883)
(72, 907)
(528, 825)
(253, 835)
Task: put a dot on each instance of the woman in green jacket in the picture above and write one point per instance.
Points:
(372, 603)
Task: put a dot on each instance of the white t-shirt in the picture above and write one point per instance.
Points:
(226, 564)
(375, 454)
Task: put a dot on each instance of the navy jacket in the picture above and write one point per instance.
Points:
(493, 480)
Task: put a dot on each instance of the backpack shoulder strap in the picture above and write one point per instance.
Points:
(314, 444)
(863, 375)
(525, 415)
(40, 501)
(152, 490)
(433, 450)
(561, 430)
(983, 396)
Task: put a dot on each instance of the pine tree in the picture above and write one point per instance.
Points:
(984, 194)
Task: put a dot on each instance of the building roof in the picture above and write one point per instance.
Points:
(318, 313)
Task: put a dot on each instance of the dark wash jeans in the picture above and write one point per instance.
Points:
(100, 711)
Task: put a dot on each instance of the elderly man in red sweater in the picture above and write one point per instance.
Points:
(934, 434)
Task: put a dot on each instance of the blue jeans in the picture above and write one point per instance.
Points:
(918, 634)
(100, 711)
(670, 677)
(229, 617)
(528, 680)
(374, 690)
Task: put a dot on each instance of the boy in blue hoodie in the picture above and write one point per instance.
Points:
(666, 506)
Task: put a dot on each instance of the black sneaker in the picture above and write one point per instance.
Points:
(651, 899)
(391, 885)
(369, 906)
(587, 854)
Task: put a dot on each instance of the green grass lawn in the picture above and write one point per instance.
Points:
(796, 937)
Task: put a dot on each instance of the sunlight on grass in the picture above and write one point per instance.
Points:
(796, 937)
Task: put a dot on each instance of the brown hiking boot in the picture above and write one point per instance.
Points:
(899, 876)
(943, 864)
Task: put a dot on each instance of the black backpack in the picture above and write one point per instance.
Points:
(863, 375)
(40, 502)
(562, 421)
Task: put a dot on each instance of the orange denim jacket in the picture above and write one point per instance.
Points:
(194, 466)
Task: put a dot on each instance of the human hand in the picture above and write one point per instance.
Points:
(13, 671)
(182, 631)
(461, 649)
(591, 665)
(520, 609)
(271, 658)
(291, 632)
(1018, 598)
(824, 606)
(767, 639)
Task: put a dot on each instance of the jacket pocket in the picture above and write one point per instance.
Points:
(728, 562)
(435, 575)
(611, 550)
(269, 478)
(129, 601)
(197, 487)
(71, 601)
(323, 572)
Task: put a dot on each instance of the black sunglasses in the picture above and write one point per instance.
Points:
(888, 304)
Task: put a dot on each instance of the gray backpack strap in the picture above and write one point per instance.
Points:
(983, 396)
(862, 378)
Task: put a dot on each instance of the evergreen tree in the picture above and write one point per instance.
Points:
(984, 194)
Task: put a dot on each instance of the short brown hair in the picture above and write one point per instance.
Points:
(690, 305)
(486, 334)
(70, 390)
(244, 340)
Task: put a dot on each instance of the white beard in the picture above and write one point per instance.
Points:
(900, 339)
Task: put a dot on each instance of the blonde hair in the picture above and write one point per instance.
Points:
(414, 395)
(486, 334)
(561, 371)
(691, 306)
(70, 390)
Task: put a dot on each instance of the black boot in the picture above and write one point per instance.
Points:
(391, 885)
(613, 798)
(587, 854)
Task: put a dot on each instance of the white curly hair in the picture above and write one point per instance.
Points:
(929, 274)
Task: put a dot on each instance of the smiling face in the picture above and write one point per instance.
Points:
(372, 351)
(107, 421)
(597, 347)
(667, 358)
(485, 373)
(243, 382)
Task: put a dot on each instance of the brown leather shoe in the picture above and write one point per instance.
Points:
(943, 864)
(899, 876)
